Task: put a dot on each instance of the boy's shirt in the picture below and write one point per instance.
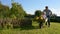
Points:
(44, 16)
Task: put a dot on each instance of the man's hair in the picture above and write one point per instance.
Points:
(46, 6)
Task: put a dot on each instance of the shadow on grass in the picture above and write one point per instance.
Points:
(24, 28)
(29, 27)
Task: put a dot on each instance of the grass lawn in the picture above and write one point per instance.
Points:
(53, 29)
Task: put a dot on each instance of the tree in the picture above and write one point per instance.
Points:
(4, 10)
(17, 10)
(38, 13)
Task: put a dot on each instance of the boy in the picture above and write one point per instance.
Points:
(42, 19)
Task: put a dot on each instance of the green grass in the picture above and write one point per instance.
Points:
(53, 29)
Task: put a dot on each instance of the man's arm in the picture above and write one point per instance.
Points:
(50, 13)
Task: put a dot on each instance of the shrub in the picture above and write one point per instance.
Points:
(12, 23)
(26, 22)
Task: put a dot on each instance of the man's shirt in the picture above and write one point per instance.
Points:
(47, 12)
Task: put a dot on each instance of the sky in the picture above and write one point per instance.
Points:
(30, 6)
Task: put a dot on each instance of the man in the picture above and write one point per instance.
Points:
(48, 14)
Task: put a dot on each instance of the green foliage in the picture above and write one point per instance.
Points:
(17, 10)
(4, 10)
(13, 16)
(26, 22)
(38, 13)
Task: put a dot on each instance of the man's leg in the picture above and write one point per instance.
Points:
(48, 21)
